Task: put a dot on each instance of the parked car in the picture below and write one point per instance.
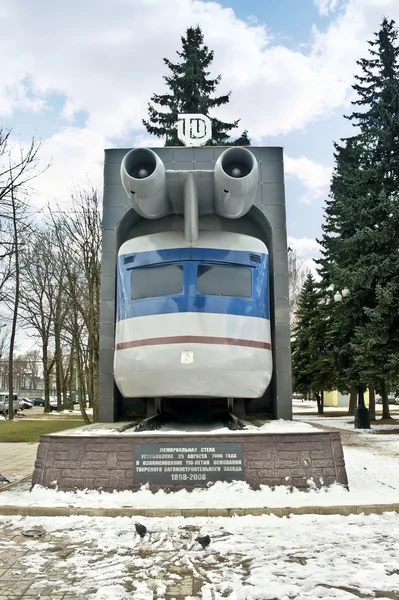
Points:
(37, 401)
(53, 403)
(4, 405)
(391, 399)
(25, 403)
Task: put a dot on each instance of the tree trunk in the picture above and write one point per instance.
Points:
(319, 396)
(82, 387)
(352, 401)
(15, 312)
(371, 404)
(68, 379)
(385, 405)
(58, 362)
(46, 377)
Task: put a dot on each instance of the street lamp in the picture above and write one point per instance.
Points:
(362, 419)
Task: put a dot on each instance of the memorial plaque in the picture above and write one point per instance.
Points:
(192, 463)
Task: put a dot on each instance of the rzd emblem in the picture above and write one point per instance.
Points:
(194, 130)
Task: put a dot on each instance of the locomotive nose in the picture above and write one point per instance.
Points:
(235, 182)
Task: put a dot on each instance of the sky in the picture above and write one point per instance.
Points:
(78, 77)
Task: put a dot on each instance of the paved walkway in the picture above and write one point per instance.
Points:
(15, 582)
(17, 459)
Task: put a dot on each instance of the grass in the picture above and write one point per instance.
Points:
(51, 415)
(30, 431)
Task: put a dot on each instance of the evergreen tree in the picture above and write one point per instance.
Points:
(243, 140)
(343, 213)
(360, 235)
(311, 360)
(190, 92)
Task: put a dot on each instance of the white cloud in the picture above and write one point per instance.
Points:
(306, 248)
(326, 6)
(105, 57)
(311, 174)
(315, 177)
(75, 158)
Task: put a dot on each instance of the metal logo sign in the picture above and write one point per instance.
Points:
(194, 130)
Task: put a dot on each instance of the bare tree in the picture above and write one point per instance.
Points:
(4, 336)
(6, 257)
(18, 166)
(19, 223)
(32, 363)
(38, 297)
(79, 235)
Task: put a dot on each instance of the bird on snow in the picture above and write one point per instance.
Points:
(4, 479)
(204, 540)
(141, 529)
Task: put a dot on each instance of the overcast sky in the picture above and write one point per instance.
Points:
(78, 75)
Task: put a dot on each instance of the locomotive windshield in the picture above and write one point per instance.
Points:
(153, 282)
(215, 280)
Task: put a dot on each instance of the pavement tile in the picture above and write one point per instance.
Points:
(13, 588)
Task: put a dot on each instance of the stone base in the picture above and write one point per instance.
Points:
(107, 462)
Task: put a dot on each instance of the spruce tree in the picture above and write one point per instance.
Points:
(360, 235)
(190, 92)
(343, 212)
(311, 360)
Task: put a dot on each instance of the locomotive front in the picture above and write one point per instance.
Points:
(193, 314)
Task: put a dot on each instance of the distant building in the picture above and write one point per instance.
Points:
(338, 399)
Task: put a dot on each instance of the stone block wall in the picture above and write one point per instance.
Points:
(107, 462)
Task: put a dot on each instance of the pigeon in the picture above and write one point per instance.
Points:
(141, 529)
(4, 479)
(205, 540)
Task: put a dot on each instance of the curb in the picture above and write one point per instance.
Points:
(61, 511)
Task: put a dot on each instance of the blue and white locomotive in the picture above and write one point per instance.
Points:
(193, 313)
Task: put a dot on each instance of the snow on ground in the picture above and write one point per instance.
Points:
(384, 446)
(345, 422)
(249, 558)
(311, 406)
(373, 479)
(188, 429)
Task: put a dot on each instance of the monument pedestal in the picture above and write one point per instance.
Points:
(95, 459)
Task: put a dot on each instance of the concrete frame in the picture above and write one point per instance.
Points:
(268, 215)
